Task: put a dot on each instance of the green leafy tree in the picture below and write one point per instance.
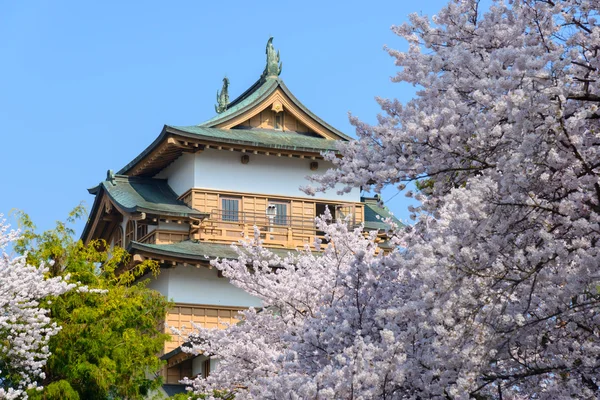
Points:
(112, 334)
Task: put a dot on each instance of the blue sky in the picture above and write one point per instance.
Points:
(86, 86)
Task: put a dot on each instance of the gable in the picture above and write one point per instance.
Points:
(264, 113)
(284, 121)
(103, 220)
(271, 94)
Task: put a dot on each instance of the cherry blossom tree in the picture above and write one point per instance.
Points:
(494, 291)
(25, 327)
(294, 290)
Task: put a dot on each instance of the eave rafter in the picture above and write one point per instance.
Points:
(166, 261)
(167, 152)
(178, 359)
(106, 218)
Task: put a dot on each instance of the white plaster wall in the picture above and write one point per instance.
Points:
(197, 367)
(161, 282)
(200, 286)
(124, 224)
(180, 173)
(174, 226)
(198, 364)
(219, 169)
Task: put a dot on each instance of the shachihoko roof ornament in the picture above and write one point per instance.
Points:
(273, 67)
(223, 97)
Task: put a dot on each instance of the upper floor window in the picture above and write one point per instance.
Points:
(230, 208)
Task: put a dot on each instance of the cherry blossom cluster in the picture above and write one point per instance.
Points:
(494, 292)
(295, 291)
(25, 327)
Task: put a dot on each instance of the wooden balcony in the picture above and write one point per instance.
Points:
(279, 231)
(160, 236)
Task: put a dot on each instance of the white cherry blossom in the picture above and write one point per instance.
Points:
(494, 292)
(25, 327)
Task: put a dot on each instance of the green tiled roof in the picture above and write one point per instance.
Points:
(134, 194)
(373, 211)
(257, 93)
(290, 141)
(261, 138)
(200, 251)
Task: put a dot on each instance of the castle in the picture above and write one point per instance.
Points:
(196, 189)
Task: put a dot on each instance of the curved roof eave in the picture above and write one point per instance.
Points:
(86, 229)
(178, 130)
(143, 154)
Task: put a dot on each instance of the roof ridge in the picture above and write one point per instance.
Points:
(247, 92)
(139, 178)
(238, 104)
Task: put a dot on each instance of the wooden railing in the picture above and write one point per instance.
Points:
(160, 236)
(282, 231)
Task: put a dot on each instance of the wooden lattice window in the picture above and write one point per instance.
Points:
(142, 230)
(118, 236)
(129, 232)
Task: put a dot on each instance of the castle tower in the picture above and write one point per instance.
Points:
(196, 189)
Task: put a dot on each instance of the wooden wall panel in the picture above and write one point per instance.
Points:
(254, 204)
(249, 204)
(178, 372)
(188, 199)
(165, 237)
(181, 315)
(303, 209)
(255, 121)
(289, 122)
(301, 127)
(204, 201)
(266, 119)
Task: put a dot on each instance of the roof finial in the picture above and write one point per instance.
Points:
(110, 177)
(223, 97)
(273, 67)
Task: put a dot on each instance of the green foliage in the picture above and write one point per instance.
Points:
(185, 396)
(425, 185)
(109, 341)
(56, 390)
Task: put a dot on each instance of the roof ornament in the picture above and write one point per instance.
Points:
(273, 67)
(110, 177)
(223, 97)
